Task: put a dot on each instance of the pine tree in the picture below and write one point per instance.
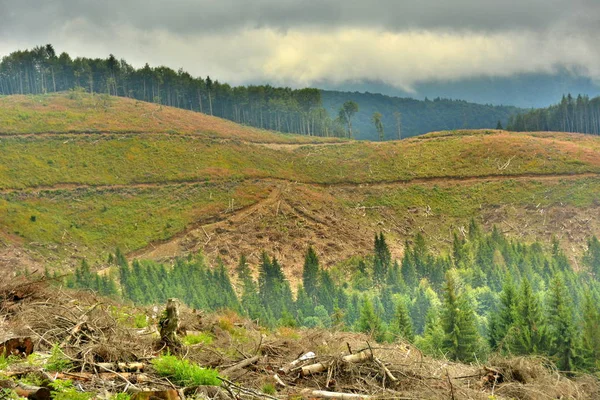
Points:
(369, 322)
(563, 339)
(458, 321)
(432, 341)
(408, 270)
(402, 324)
(503, 319)
(419, 309)
(590, 333)
(528, 335)
(310, 273)
(591, 258)
(388, 304)
(382, 259)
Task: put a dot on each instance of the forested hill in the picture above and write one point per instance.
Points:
(303, 111)
(580, 114)
(416, 117)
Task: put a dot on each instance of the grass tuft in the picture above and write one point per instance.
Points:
(185, 373)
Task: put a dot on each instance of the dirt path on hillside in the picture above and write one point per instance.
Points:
(172, 246)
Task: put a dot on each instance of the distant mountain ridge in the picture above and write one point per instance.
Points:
(417, 117)
(532, 90)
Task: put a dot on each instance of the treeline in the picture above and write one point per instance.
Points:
(41, 70)
(489, 294)
(301, 111)
(580, 115)
(406, 117)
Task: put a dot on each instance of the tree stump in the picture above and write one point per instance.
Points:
(157, 395)
(11, 345)
(169, 324)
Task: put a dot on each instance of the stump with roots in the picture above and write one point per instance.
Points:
(169, 324)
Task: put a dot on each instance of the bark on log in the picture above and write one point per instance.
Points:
(322, 394)
(16, 345)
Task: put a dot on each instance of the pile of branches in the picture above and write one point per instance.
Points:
(101, 354)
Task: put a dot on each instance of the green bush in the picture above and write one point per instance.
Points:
(184, 373)
(58, 362)
(64, 390)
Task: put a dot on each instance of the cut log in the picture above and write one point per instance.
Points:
(358, 357)
(322, 394)
(16, 345)
(158, 395)
(323, 366)
(314, 368)
(123, 367)
(27, 391)
(306, 356)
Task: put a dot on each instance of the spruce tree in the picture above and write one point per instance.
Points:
(388, 304)
(528, 335)
(503, 319)
(408, 270)
(562, 335)
(402, 324)
(419, 309)
(591, 258)
(461, 339)
(590, 333)
(310, 273)
(369, 322)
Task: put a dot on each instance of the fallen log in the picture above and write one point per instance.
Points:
(123, 366)
(27, 391)
(11, 345)
(240, 365)
(323, 366)
(306, 356)
(322, 394)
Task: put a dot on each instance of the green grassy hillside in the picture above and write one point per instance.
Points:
(81, 175)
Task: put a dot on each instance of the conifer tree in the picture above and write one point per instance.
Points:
(310, 273)
(503, 319)
(432, 341)
(528, 335)
(591, 257)
(419, 309)
(409, 272)
(388, 304)
(382, 259)
(369, 322)
(402, 324)
(458, 321)
(563, 339)
(590, 333)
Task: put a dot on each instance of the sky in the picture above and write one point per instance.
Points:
(400, 43)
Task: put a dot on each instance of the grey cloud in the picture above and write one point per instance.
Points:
(190, 17)
(398, 42)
